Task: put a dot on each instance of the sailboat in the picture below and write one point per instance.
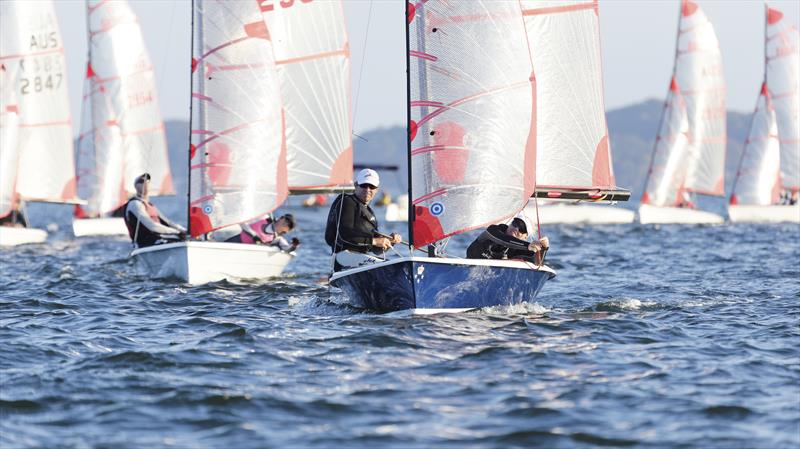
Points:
(259, 129)
(574, 127)
(36, 158)
(122, 132)
(474, 135)
(769, 170)
(689, 154)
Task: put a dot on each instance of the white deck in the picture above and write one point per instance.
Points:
(20, 236)
(198, 263)
(99, 226)
(580, 214)
(676, 215)
(764, 214)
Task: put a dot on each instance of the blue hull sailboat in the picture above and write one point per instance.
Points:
(480, 126)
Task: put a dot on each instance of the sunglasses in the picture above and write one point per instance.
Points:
(368, 186)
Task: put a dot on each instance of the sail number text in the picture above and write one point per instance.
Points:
(40, 73)
(269, 5)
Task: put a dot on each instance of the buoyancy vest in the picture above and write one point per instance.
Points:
(132, 221)
(260, 228)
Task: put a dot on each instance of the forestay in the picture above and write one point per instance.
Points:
(31, 45)
(9, 128)
(757, 180)
(572, 148)
(783, 82)
(122, 133)
(312, 55)
(238, 157)
(699, 76)
(472, 109)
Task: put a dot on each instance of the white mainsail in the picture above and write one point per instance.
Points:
(31, 45)
(783, 81)
(9, 150)
(697, 83)
(758, 178)
(237, 154)
(472, 106)
(122, 132)
(572, 148)
(312, 55)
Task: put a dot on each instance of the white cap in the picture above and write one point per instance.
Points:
(368, 176)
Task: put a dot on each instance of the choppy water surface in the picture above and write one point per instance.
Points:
(649, 337)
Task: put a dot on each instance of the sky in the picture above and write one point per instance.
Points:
(637, 38)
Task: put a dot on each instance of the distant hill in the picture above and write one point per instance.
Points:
(632, 130)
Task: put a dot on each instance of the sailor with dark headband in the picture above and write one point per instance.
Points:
(146, 225)
(352, 229)
(267, 231)
(508, 241)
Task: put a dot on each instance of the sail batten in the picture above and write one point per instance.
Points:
(237, 154)
(32, 48)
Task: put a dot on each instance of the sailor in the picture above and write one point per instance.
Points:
(15, 218)
(146, 225)
(267, 231)
(508, 241)
(352, 229)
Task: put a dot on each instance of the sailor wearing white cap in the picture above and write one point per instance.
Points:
(352, 226)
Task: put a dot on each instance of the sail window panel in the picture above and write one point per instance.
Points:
(237, 162)
(313, 62)
(31, 43)
(700, 78)
(783, 82)
(668, 169)
(472, 108)
(757, 177)
(571, 124)
(122, 135)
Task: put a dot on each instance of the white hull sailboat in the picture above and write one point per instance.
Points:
(676, 215)
(122, 134)
(764, 214)
(10, 236)
(111, 226)
(483, 109)
(581, 214)
(199, 263)
(36, 153)
(769, 171)
(689, 154)
(257, 133)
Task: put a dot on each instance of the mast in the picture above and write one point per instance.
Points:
(409, 16)
(189, 156)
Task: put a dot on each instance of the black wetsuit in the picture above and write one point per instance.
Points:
(13, 218)
(494, 243)
(357, 225)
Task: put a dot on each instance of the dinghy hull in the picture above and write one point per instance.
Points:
(99, 226)
(198, 263)
(676, 215)
(580, 214)
(441, 285)
(764, 214)
(20, 236)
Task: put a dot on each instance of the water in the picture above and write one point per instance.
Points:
(649, 337)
